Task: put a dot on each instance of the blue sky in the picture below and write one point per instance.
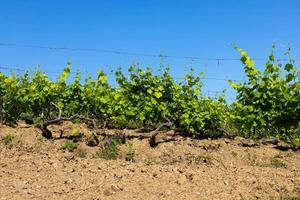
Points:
(205, 29)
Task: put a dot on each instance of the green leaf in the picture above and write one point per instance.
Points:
(288, 67)
(289, 77)
(271, 57)
(117, 96)
(197, 91)
(158, 94)
(103, 79)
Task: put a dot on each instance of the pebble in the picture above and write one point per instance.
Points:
(116, 188)
(108, 192)
(227, 141)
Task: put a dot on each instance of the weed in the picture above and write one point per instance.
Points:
(7, 139)
(38, 144)
(283, 155)
(260, 185)
(149, 162)
(69, 145)
(252, 159)
(201, 158)
(76, 135)
(290, 197)
(80, 152)
(286, 195)
(40, 138)
(130, 153)
(206, 158)
(111, 150)
(277, 163)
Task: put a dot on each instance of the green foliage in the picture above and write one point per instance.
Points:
(69, 145)
(30, 95)
(295, 139)
(130, 153)
(145, 98)
(140, 100)
(277, 163)
(111, 150)
(27, 118)
(268, 103)
(97, 98)
(2, 92)
(76, 134)
(7, 139)
(11, 108)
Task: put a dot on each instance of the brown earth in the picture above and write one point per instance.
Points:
(179, 168)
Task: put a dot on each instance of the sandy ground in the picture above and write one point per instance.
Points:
(181, 168)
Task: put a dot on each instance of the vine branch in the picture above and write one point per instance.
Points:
(152, 140)
(47, 133)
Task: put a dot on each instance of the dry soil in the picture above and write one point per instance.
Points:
(32, 167)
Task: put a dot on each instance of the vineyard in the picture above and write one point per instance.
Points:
(267, 104)
(184, 132)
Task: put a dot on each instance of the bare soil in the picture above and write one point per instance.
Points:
(32, 167)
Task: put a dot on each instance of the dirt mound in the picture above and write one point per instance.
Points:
(178, 168)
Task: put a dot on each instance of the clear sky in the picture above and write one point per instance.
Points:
(202, 28)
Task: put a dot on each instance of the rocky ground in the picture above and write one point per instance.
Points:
(32, 167)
